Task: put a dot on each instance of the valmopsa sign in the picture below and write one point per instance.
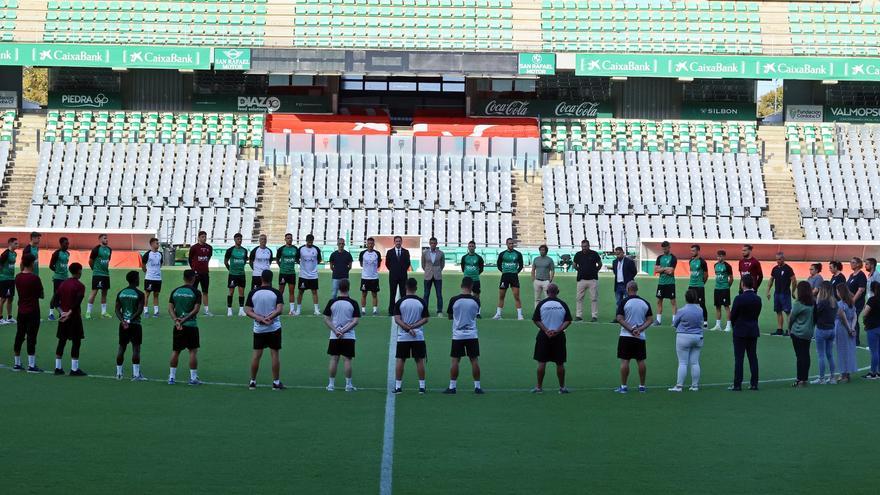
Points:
(262, 104)
(541, 108)
(863, 114)
(745, 67)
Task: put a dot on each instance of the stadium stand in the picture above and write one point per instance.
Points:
(8, 15)
(143, 185)
(659, 26)
(825, 28)
(193, 22)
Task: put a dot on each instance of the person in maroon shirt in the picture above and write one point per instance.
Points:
(749, 264)
(68, 299)
(199, 256)
(30, 291)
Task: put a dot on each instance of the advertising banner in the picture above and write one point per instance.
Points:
(8, 99)
(126, 56)
(232, 58)
(804, 113)
(539, 64)
(862, 114)
(85, 100)
(718, 111)
(542, 108)
(265, 104)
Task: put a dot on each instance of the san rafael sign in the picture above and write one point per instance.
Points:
(232, 58)
(538, 64)
(541, 108)
(85, 100)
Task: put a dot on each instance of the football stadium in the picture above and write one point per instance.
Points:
(651, 222)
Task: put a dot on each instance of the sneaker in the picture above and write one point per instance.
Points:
(873, 376)
(656, 323)
(278, 386)
(88, 316)
(753, 387)
(716, 328)
(228, 312)
(194, 381)
(52, 316)
(59, 371)
(777, 333)
(479, 391)
(139, 378)
(734, 388)
(818, 381)
(119, 376)
(78, 372)
(694, 388)
(155, 315)
(727, 329)
(676, 388)
(397, 390)
(317, 313)
(449, 391)
(578, 318)
(621, 390)
(17, 367)
(241, 312)
(207, 313)
(34, 369)
(171, 381)
(479, 316)
(11, 321)
(563, 390)
(439, 314)
(350, 388)
(831, 381)
(3, 321)
(422, 390)
(592, 320)
(520, 317)
(786, 333)
(106, 315)
(375, 312)
(705, 324)
(291, 313)
(537, 390)
(330, 388)
(252, 385)
(496, 317)
(642, 389)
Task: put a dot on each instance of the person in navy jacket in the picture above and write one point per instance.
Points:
(624, 270)
(744, 314)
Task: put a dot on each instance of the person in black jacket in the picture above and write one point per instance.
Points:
(587, 263)
(744, 314)
(624, 270)
(398, 264)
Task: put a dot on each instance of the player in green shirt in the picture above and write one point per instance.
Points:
(58, 264)
(7, 280)
(34, 249)
(287, 256)
(510, 263)
(130, 304)
(99, 261)
(697, 280)
(235, 259)
(472, 265)
(664, 267)
(723, 282)
(183, 306)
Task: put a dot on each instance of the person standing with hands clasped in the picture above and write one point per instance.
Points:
(744, 314)
(551, 317)
(634, 316)
(801, 325)
(542, 273)
(587, 263)
(433, 261)
(845, 333)
(871, 317)
(688, 323)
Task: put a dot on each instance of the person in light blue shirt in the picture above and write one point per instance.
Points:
(688, 323)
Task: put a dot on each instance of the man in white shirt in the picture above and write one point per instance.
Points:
(463, 309)
(341, 316)
(260, 260)
(309, 257)
(410, 315)
(264, 305)
(634, 315)
(152, 267)
(370, 260)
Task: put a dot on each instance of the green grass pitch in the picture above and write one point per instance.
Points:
(97, 435)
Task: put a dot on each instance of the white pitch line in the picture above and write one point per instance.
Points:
(385, 474)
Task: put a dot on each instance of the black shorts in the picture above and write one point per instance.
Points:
(203, 281)
(71, 329)
(233, 281)
(56, 283)
(631, 348)
(509, 280)
(549, 350)
(287, 278)
(134, 334)
(701, 294)
(256, 281)
(272, 340)
(370, 285)
(188, 338)
(722, 297)
(308, 283)
(7, 289)
(475, 288)
(341, 347)
(101, 282)
(465, 347)
(666, 291)
(153, 286)
(415, 349)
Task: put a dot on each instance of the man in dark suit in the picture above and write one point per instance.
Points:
(397, 263)
(744, 314)
(624, 270)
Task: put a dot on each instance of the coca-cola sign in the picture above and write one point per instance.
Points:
(541, 108)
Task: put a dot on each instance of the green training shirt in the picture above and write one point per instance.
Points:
(722, 271)
(286, 257)
(59, 265)
(101, 256)
(471, 266)
(184, 299)
(36, 252)
(666, 261)
(237, 258)
(510, 261)
(698, 268)
(131, 300)
(7, 269)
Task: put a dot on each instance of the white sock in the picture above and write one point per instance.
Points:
(348, 382)
(728, 324)
(519, 312)
(18, 360)
(206, 310)
(276, 382)
(193, 374)
(317, 308)
(659, 318)
(477, 384)
(32, 361)
(155, 310)
(452, 384)
(58, 364)
(172, 373)
(497, 311)
(331, 382)
(74, 364)
(118, 369)
(718, 323)
(136, 370)
(398, 383)
(89, 307)
(298, 308)
(292, 307)
(375, 309)
(146, 311)
(421, 383)
(103, 308)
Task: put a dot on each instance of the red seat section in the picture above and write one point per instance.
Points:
(476, 127)
(328, 124)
